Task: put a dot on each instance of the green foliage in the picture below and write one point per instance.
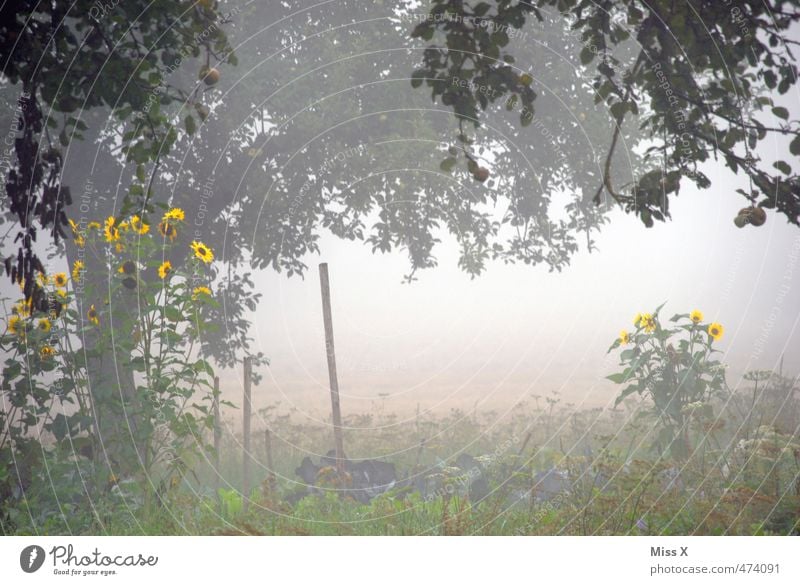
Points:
(646, 62)
(70, 58)
(672, 366)
(231, 503)
(152, 428)
(742, 481)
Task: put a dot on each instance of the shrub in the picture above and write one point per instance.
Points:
(673, 367)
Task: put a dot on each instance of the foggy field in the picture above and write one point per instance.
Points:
(539, 468)
(408, 267)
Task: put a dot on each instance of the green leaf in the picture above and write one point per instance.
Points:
(203, 366)
(172, 314)
(190, 125)
(12, 370)
(481, 8)
(447, 164)
(619, 377)
(625, 393)
(658, 309)
(781, 112)
(60, 427)
(783, 167)
(794, 146)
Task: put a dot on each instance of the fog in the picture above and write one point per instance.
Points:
(449, 341)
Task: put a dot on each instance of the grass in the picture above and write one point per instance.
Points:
(741, 478)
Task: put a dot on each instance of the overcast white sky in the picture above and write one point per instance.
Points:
(447, 340)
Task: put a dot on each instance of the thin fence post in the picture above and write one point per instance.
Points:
(217, 435)
(247, 406)
(270, 466)
(328, 321)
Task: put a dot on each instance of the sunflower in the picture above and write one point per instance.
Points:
(60, 279)
(164, 269)
(202, 252)
(44, 325)
(46, 352)
(124, 226)
(111, 232)
(94, 318)
(14, 324)
(80, 241)
(696, 316)
(624, 337)
(127, 267)
(23, 308)
(167, 230)
(174, 214)
(62, 294)
(645, 321)
(139, 226)
(715, 330)
(200, 290)
(77, 270)
(93, 225)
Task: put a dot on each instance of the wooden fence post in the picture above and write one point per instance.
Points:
(246, 410)
(217, 435)
(270, 466)
(328, 321)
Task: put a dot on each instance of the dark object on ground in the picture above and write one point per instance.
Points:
(549, 484)
(367, 478)
(478, 485)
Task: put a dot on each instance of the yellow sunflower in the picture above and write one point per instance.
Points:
(93, 225)
(77, 270)
(44, 325)
(715, 330)
(23, 308)
(62, 294)
(46, 352)
(648, 323)
(80, 241)
(645, 321)
(14, 324)
(200, 290)
(60, 279)
(202, 252)
(174, 214)
(624, 337)
(167, 230)
(696, 316)
(41, 278)
(111, 232)
(139, 226)
(94, 318)
(164, 269)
